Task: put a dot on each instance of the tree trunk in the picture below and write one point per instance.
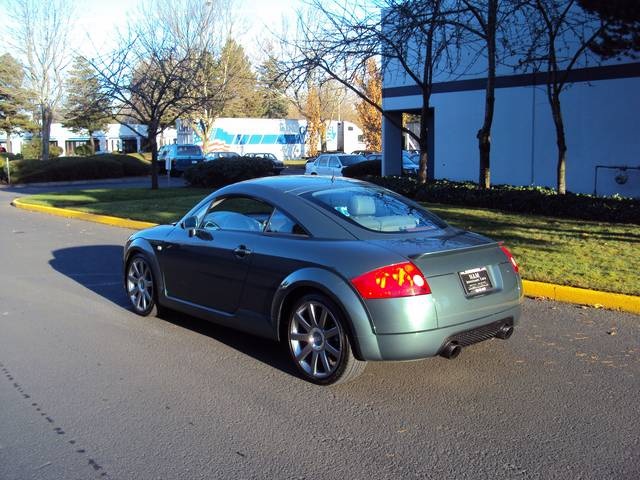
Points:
(153, 145)
(484, 134)
(47, 119)
(423, 143)
(92, 145)
(561, 142)
(323, 136)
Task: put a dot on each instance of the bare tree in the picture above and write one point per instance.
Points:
(483, 21)
(41, 38)
(153, 77)
(412, 38)
(560, 35)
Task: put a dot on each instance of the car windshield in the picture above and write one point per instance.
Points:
(351, 159)
(188, 150)
(376, 209)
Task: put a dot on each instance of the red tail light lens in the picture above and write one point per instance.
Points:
(509, 256)
(392, 281)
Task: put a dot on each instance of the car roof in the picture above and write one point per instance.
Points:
(299, 184)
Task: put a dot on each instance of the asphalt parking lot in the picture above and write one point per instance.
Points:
(90, 390)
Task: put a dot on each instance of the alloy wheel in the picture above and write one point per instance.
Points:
(140, 285)
(316, 339)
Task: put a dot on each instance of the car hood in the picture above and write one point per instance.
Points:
(159, 232)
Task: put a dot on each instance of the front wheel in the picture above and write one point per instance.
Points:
(318, 342)
(141, 286)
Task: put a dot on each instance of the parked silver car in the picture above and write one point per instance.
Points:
(332, 164)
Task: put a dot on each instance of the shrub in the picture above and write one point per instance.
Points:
(363, 169)
(10, 156)
(31, 149)
(224, 171)
(76, 168)
(508, 198)
(83, 150)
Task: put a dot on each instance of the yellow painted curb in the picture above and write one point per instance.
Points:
(90, 217)
(582, 296)
(560, 293)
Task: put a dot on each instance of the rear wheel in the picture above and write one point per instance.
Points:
(141, 286)
(318, 342)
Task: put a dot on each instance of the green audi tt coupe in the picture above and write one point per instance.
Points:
(340, 271)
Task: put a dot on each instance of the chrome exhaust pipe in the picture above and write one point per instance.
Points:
(505, 332)
(451, 350)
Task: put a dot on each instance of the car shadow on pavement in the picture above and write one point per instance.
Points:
(96, 267)
(99, 269)
(266, 351)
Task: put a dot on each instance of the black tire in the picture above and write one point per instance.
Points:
(317, 341)
(140, 286)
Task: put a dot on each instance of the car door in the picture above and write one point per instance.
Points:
(335, 167)
(274, 257)
(322, 165)
(208, 265)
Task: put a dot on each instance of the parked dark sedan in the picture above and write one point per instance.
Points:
(340, 271)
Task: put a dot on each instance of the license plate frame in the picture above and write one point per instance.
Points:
(476, 281)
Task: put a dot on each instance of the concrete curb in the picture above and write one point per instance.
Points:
(582, 296)
(560, 293)
(90, 217)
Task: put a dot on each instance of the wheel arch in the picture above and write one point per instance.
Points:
(143, 247)
(325, 282)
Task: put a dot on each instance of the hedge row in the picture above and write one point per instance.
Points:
(531, 200)
(224, 171)
(75, 168)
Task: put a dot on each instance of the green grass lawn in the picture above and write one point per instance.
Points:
(300, 162)
(164, 205)
(598, 255)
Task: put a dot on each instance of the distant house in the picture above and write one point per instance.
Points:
(116, 138)
(285, 138)
(601, 110)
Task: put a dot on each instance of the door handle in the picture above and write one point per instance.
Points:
(242, 251)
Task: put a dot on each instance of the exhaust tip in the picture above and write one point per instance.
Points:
(451, 350)
(505, 332)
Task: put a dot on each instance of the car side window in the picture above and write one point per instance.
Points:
(334, 162)
(237, 213)
(321, 161)
(282, 223)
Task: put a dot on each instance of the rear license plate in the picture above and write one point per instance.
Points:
(476, 281)
(194, 161)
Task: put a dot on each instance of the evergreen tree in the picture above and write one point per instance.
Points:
(271, 89)
(622, 33)
(13, 97)
(86, 108)
(242, 99)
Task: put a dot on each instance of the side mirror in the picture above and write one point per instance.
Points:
(190, 224)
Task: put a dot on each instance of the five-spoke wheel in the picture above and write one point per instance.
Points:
(140, 285)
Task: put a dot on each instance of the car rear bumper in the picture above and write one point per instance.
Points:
(417, 345)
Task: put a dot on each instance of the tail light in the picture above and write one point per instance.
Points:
(392, 281)
(509, 256)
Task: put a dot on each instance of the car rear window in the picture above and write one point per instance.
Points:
(376, 209)
(189, 150)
